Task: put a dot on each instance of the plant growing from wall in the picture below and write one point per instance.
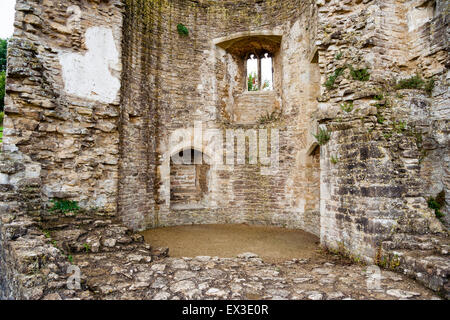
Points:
(380, 118)
(323, 136)
(347, 107)
(437, 203)
(339, 55)
(272, 117)
(359, 74)
(379, 97)
(414, 82)
(399, 126)
(429, 86)
(329, 84)
(64, 206)
(182, 30)
(395, 262)
(334, 160)
(87, 247)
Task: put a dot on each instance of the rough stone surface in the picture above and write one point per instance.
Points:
(236, 278)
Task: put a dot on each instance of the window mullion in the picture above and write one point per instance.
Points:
(259, 74)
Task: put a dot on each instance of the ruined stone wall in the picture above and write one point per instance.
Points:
(376, 170)
(110, 148)
(30, 266)
(62, 104)
(171, 81)
(96, 88)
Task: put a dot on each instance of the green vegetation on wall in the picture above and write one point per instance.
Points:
(323, 136)
(329, 84)
(64, 206)
(347, 107)
(182, 30)
(416, 82)
(437, 203)
(356, 74)
(360, 74)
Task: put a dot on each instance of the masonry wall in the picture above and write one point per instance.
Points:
(171, 82)
(62, 104)
(110, 148)
(30, 266)
(391, 148)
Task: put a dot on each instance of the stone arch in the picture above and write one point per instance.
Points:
(268, 39)
(246, 106)
(189, 179)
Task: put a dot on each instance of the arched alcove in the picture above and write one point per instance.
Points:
(254, 76)
(188, 179)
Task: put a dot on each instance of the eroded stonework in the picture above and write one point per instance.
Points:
(96, 90)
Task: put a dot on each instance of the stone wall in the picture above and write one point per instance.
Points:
(108, 148)
(38, 247)
(97, 90)
(380, 136)
(170, 82)
(30, 266)
(62, 105)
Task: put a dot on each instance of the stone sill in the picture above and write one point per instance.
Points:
(193, 206)
(259, 93)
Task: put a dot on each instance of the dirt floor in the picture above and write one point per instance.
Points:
(226, 241)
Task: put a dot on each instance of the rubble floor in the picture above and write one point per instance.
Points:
(313, 275)
(115, 276)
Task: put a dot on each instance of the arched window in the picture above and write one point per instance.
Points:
(266, 72)
(252, 73)
(259, 72)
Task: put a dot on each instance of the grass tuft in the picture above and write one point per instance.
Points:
(64, 206)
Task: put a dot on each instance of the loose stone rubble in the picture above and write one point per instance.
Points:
(239, 278)
(115, 263)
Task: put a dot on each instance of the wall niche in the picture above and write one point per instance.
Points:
(252, 85)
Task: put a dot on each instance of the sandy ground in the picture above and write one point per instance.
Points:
(270, 243)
